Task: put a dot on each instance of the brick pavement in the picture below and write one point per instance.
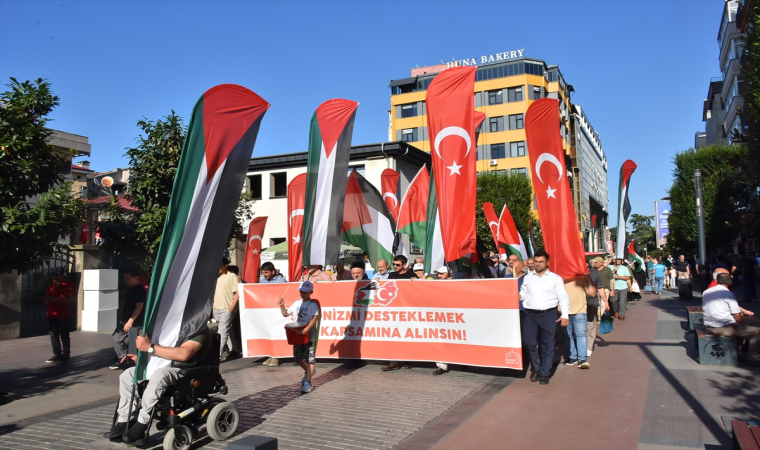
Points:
(348, 409)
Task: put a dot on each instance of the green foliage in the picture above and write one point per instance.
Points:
(724, 191)
(135, 237)
(37, 208)
(613, 234)
(751, 93)
(642, 231)
(514, 190)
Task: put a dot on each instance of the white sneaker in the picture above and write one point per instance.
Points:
(306, 387)
(589, 352)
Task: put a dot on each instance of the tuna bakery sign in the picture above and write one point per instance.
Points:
(504, 56)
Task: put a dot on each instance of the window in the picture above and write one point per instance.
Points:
(495, 124)
(409, 110)
(275, 241)
(515, 94)
(498, 151)
(359, 169)
(536, 93)
(521, 171)
(516, 149)
(516, 122)
(279, 187)
(495, 98)
(255, 182)
(409, 135)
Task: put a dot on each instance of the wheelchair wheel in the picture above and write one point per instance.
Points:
(222, 421)
(178, 438)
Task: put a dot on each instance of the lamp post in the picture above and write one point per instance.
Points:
(700, 221)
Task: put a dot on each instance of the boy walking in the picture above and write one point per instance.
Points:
(305, 311)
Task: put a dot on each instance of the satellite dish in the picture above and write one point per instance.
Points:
(107, 181)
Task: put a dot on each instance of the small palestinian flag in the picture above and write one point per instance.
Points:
(329, 149)
(633, 256)
(367, 223)
(509, 237)
(434, 254)
(210, 176)
(413, 210)
(624, 206)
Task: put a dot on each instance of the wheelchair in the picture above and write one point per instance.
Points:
(189, 408)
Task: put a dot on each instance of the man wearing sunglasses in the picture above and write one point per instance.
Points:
(400, 272)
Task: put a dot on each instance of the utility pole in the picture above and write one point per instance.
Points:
(700, 220)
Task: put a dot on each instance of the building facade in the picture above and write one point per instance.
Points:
(723, 106)
(268, 178)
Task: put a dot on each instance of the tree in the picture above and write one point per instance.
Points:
(135, 237)
(750, 66)
(642, 231)
(613, 234)
(725, 193)
(37, 207)
(514, 190)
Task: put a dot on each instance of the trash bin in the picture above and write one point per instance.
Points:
(685, 290)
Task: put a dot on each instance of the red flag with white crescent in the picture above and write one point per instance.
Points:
(296, 204)
(451, 125)
(84, 235)
(554, 200)
(389, 186)
(493, 224)
(252, 260)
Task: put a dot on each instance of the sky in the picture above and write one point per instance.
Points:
(640, 69)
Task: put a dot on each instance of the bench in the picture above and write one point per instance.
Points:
(746, 435)
(714, 350)
(695, 314)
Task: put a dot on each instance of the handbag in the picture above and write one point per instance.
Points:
(635, 287)
(605, 323)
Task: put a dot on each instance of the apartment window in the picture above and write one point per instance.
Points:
(496, 124)
(515, 94)
(255, 182)
(495, 98)
(359, 169)
(536, 93)
(409, 135)
(521, 171)
(279, 187)
(516, 149)
(498, 151)
(409, 110)
(517, 122)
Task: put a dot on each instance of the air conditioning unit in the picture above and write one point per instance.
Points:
(494, 162)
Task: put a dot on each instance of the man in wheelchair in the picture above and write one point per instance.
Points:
(193, 374)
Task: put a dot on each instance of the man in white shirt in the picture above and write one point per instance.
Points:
(541, 293)
(723, 317)
(383, 270)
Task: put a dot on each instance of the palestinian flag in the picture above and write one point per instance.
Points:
(329, 149)
(434, 254)
(624, 206)
(633, 256)
(413, 210)
(509, 237)
(367, 223)
(210, 176)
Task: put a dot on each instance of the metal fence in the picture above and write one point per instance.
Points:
(33, 285)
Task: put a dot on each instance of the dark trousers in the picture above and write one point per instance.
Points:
(59, 335)
(538, 335)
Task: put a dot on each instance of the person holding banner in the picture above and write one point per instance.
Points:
(357, 271)
(269, 275)
(383, 270)
(315, 273)
(541, 293)
(305, 311)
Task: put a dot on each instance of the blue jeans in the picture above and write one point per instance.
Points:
(658, 283)
(576, 331)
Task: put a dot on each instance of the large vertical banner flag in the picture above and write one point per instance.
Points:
(296, 202)
(252, 259)
(329, 149)
(633, 256)
(624, 206)
(215, 156)
(389, 185)
(412, 218)
(662, 213)
(554, 200)
(493, 224)
(367, 223)
(451, 125)
(509, 236)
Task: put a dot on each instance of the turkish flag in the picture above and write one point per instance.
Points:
(389, 186)
(296, 204)
(252, 259)
(559, 224)
(493, 224)
(451, 126)
(84, 235)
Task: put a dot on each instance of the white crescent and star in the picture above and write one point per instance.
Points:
(297, 238)
(296, 212)
(250, 242)
(393, 196)
(493, 224)
(548, 157)
(453, 131)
